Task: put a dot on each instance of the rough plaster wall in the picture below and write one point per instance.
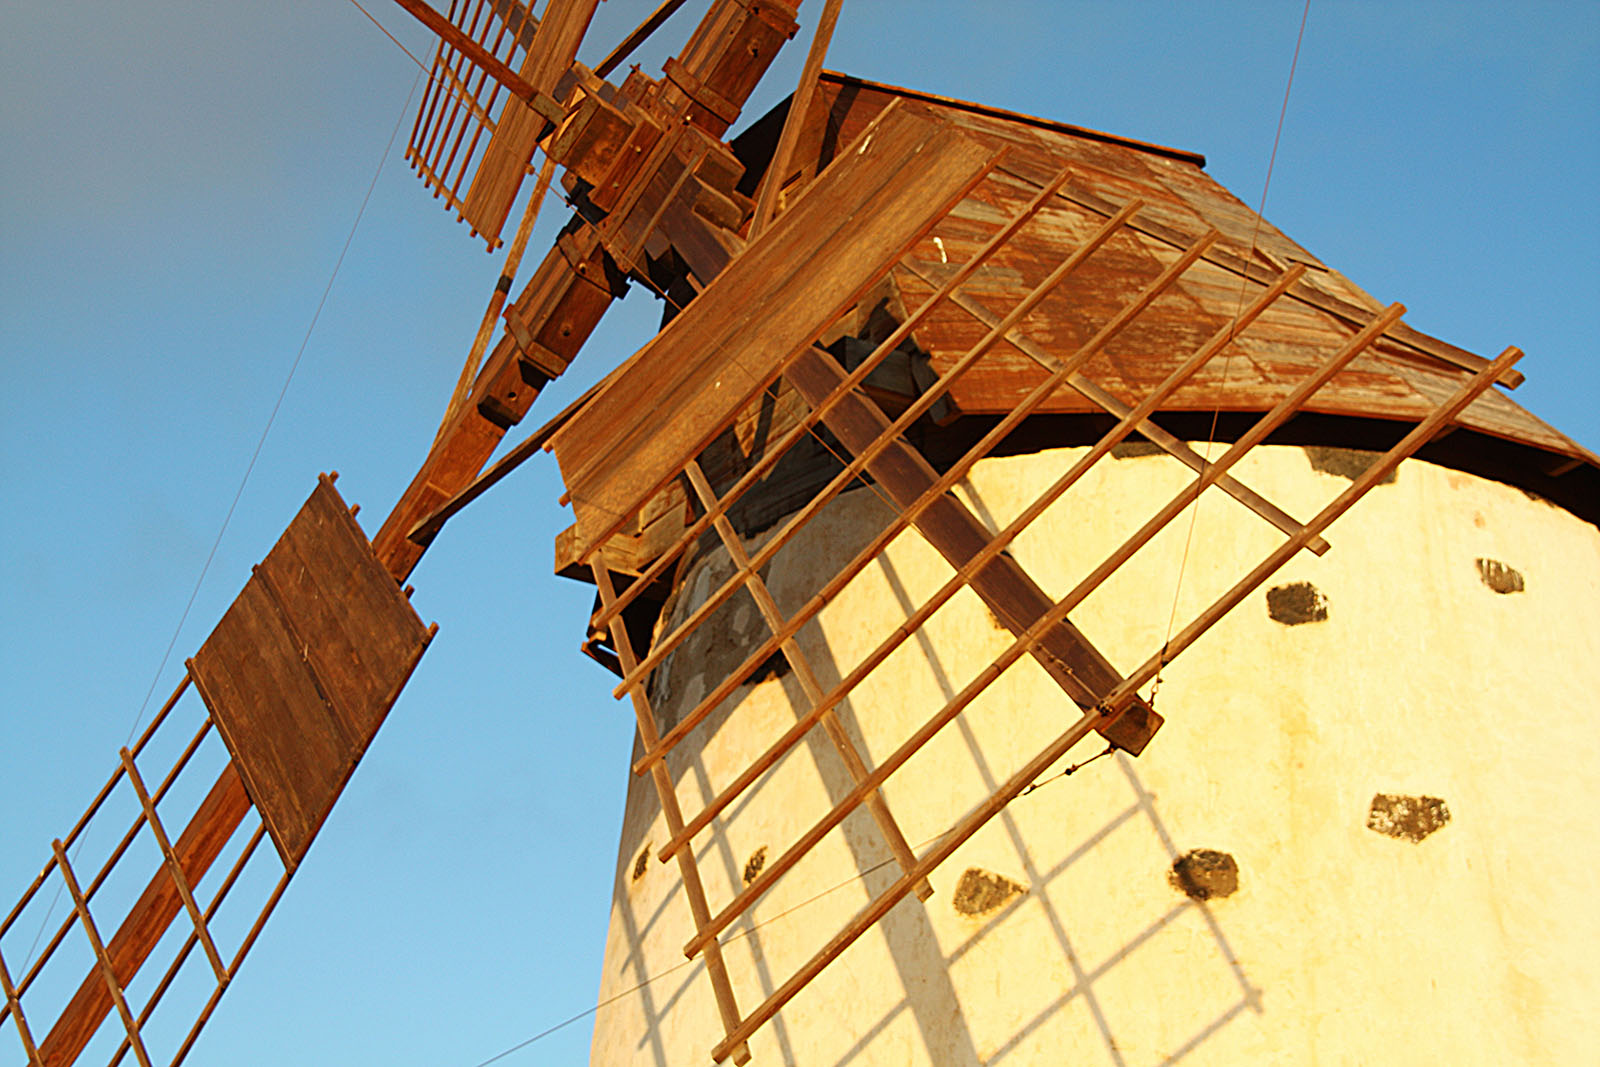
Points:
(1469, 941)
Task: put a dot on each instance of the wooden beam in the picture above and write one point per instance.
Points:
(14, 1007)
(620, 54)
(775, 451)
(1420, 435)
(174, 867)
(835, 393)
(474, 51)
(799, 106)
(108, 973)
(998, 544)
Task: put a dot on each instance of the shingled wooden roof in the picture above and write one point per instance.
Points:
(1401, 378)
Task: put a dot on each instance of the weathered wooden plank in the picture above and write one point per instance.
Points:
(305, 664)
(732, 341)
(288, 744)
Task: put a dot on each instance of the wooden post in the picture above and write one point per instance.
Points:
(14, 1006)
(667, 793)
(809, 684)
(799, 104)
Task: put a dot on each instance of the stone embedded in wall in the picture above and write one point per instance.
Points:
(978, 892)
(1296, 603)
(753, 865)
(1205, 874)
(1499, 577)
(1348, 463)
(1409, 818)
(1136, 449)
(641, 864)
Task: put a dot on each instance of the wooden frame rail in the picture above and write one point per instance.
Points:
(859, 463)
(1001, 541)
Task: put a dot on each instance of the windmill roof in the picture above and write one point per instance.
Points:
(1397, 382)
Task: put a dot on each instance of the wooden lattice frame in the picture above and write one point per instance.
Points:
(496, 70)
(320, 574)
(836, 401)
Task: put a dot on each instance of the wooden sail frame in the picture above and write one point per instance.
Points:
(295, 680)
(670, 435)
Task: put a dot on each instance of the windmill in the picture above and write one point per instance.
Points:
(581, 493)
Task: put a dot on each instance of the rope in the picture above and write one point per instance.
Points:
(1211, 435)
(393, 38)
(239, 493)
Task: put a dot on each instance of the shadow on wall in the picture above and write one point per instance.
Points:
(923, 969)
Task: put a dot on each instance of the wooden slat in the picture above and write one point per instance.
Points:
(14, 1009)
(1125, 692)
(174, 868)
(214, 822)
(510, 150)
(728, 344)
(858, 463)
(289, 745)
(107, 971)
(623, 50)
(1419, 435)
(303, 667)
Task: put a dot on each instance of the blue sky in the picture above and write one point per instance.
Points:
(177, 183)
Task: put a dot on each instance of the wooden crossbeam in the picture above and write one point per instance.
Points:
(835, 394)
(471, 49)
(174, 868)
(1380, 469)
(14, 1006)
(688, 870)
(1279, 414)
(809, 684)
(219, 814)
(1094, 717)
(620, 54)
(193, 937)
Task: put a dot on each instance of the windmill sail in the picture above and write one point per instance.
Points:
(295, 679)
